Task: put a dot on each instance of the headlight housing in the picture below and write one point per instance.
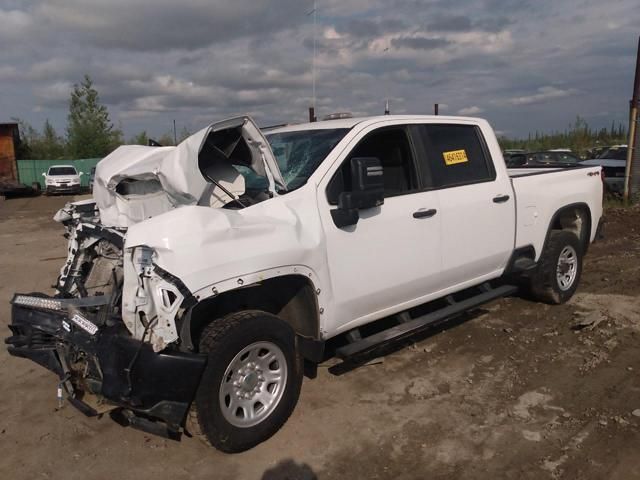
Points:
(150, 302)
(142, 259)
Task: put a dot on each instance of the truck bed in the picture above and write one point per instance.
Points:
(540, 192)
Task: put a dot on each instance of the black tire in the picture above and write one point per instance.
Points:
(545, 286)
(223, 340)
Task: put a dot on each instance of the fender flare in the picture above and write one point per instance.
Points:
(248, 281)
(586, 232)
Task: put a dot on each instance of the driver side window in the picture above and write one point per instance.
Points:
(391, 146)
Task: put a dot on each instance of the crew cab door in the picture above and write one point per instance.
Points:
(476, 202)
(391, 256)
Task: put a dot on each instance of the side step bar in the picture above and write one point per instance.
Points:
(410, 327)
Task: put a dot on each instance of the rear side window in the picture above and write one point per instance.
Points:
(456, 155)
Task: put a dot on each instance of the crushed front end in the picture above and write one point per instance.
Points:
(104, 363)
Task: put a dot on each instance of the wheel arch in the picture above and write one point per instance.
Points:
(293, 297)
(575, 217)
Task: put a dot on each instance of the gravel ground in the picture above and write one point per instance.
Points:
(519, 390)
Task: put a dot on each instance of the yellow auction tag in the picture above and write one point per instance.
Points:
(455, 156)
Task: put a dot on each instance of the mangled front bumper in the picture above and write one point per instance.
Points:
(107, 370)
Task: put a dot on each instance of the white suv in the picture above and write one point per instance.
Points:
(62, 179)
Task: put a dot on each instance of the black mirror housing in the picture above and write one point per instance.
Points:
(367, 191)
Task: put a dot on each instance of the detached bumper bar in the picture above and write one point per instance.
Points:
(108, 369)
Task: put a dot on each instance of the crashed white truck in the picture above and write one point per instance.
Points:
(204, 280)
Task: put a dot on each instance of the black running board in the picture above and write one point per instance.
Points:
(415, 325)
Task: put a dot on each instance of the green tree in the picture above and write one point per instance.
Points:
(27, 135)
(166, 139)
(49, 145)
(141, 139)
(90, 132)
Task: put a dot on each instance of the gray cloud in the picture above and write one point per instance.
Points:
(419, 42)
(450, 23)
(524, 66)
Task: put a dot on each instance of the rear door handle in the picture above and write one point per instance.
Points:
(501, 198)
(425, 213)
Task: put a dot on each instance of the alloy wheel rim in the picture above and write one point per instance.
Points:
(253, 384)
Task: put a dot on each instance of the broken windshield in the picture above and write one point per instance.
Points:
(299, 153)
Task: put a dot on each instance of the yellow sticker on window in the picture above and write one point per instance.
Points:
(455, 156)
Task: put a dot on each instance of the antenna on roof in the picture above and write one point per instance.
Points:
(312, 108)
(386, 103)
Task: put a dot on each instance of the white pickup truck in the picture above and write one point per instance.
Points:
(205, 279)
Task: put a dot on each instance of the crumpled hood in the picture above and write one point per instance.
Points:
(170, 177)
(203, 245)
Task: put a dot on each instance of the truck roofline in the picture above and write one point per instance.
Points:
(365, 121)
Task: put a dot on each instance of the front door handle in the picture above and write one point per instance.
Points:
(501, 199)
(425, 213)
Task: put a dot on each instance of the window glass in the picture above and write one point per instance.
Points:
(62, 171)
(615, 153)
(392, 147)
(455, 155)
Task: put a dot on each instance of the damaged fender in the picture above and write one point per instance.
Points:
(204, 249)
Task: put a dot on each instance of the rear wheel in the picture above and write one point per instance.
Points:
(251, 383)
(558, 274)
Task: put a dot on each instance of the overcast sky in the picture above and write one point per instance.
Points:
(523, 64)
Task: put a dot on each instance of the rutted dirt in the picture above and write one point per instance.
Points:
(521, 390)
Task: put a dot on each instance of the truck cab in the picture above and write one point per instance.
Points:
(204, 279)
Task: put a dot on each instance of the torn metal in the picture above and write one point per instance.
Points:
(136, 182)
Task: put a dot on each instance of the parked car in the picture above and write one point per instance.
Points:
(207, 277)
(541, 159)
(595, 152)
(62, 179)
(614, 163)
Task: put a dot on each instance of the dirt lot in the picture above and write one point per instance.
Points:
(514, 392)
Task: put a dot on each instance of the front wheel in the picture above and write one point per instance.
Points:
(251, 383)
(558, 274)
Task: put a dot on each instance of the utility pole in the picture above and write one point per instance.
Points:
(632, 171)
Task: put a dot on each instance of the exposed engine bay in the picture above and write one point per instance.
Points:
(226, 165)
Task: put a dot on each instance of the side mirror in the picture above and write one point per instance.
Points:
(367, 191)
(81, 173)
(44, 174)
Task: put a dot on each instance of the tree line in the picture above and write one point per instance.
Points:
(579, 137)
(89, 132)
